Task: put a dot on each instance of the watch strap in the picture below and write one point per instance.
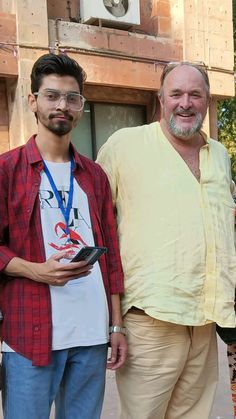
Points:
(117, 329)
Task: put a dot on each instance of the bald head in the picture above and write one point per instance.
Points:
(171, 66)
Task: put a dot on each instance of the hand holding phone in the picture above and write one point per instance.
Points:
(90, 254)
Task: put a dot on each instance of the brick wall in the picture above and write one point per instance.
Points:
(8, 59)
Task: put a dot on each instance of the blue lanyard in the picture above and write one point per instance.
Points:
(65, 210)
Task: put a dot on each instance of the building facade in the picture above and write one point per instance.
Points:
(123, 46)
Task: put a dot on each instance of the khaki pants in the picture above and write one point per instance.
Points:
(171, 371)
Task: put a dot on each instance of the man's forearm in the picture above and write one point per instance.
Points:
(51, 272)
(18, 267)
(116, 310)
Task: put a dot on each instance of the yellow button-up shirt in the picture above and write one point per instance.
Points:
(176, 234)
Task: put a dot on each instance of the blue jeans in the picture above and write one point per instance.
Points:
(75, 381)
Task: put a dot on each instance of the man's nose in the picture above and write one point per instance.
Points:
(62, 103)
(186, 102)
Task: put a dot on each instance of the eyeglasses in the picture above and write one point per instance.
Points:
(75, 101)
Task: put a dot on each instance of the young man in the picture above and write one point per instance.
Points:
(56, 313)
(171, 187)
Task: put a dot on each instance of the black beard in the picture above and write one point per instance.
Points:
(60, 128)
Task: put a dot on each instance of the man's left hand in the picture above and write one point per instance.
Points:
(119, 351)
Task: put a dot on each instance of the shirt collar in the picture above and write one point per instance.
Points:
(77, 158)
(205, 138)
(35, 157)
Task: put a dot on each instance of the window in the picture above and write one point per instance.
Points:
(100, 120)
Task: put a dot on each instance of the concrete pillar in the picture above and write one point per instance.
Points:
(32, 38)
(213, 118)
(7, 6)
(4, 140)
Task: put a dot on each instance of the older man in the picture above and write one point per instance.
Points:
(171, 188)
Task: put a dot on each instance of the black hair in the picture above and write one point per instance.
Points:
(59, 64)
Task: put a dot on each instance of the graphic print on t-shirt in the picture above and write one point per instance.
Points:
(79, 221)
(74, 241)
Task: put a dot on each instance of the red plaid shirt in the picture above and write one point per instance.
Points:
(26, 304)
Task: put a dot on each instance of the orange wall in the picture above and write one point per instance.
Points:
(8, 59)
(155, 15)
(130, 58)
(8, 69)
(170, 30)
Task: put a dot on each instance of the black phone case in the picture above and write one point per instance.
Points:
(90, 254)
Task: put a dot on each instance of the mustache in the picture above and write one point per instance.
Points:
(60, 114)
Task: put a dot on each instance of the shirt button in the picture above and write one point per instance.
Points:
(36, 328)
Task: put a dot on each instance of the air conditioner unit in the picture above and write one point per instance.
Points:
(110, 12)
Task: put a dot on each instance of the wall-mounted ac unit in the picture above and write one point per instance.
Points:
(110, 12)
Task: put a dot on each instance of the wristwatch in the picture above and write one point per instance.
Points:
(117, 329)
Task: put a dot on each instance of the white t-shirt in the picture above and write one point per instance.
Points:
(79, 309)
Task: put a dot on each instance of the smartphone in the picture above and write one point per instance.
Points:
(90, 254)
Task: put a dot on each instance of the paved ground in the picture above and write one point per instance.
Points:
(222, 408)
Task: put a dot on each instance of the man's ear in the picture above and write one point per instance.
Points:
(209, 100)
(32, 101)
